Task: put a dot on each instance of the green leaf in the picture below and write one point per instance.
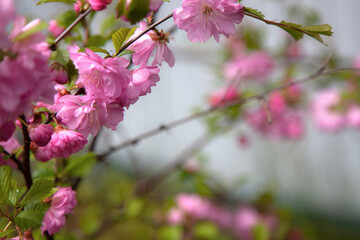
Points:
(79, 166)
(324, 29)
(6, 183)
(37, 28)
(125, 52)
(169, 233)
(97, 40)
(10, 233)
(29, 219)
(121, 36)
(42, 109)
(95, 49)
(72, 72)
(206, 230)
(254, 12)
(120, 8)
(296, 34)
(16, 194)
(37, 206)
(137, 10)
(70, 2)
(40, 190)
(61, 56)
(260, 232)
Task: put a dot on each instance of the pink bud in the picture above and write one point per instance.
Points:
(99, 5)
(40, 134)
(60, 76)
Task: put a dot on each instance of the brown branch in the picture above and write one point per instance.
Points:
(26, 153)
(142, 33)
(176, 123)
(68, 29)
(266, 108)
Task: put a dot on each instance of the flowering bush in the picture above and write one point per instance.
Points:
(58, 91)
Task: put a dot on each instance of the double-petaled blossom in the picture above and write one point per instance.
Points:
(99, 5)
(63, 143)
(102, 78)
(87, 114)
(202, 19)
(143, 79)
(24, 72)
(254, 66)
(151, 43)
(62, 202)
(40, 133)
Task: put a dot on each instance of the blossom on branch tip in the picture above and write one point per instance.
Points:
(62, 202)
(40, 134)
(102, 78)
(202, 19)
(151, 43)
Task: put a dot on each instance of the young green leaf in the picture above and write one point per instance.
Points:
(40, 190)
(61, 56)
(37, 28)
(29, 219)
(121, 36)
(137, 10)
(254, 12)
(61, 1)
(6, 183)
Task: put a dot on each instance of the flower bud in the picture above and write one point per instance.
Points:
(40, 134)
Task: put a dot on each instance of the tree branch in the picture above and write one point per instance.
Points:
(68, 29)
(26, 153)
(320, 72)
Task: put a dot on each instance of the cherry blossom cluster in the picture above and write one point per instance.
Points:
(191, 208)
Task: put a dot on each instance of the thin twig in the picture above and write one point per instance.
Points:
(142, 33)
(150, 183)
(205, 112)
(68, 29)
(266, 108)
(26, 153)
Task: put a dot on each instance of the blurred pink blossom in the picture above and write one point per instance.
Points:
(99, 5)
(54, 28)
(223, 95)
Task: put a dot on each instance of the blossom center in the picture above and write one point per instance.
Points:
(207, 10)
(160, 37)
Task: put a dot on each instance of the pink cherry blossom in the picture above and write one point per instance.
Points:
(175, 216)
(86, 114)
(40, 134)
(353, 116)
(64, 142)
(152, 43)
(54, 28)
(6, 129)
(154, 5)
(143, 79)
(286, 122)
(62, 202)
(202, 19)
(103, 78)
(246, 217)
(223, 95)
(324, 110)
(99, 5)
(26, 77)
(255, 66)
(192, 205)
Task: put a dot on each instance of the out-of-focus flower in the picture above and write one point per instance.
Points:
(62, 202)
(152, 43)
(202, 19)
(10, 145)
(254, 66)
(54, 28)
(324, 111)
(223, 95)
(175, 216)
(99, 5)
